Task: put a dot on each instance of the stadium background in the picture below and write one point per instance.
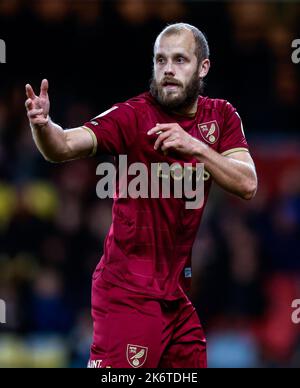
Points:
(246, 257)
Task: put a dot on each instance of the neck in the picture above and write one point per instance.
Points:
(188, 111)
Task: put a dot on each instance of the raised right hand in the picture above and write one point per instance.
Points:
(38, 106)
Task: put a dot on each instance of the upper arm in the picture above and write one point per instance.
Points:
(232, 137)
(114, 131)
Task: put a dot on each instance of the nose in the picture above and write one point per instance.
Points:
(169, 69)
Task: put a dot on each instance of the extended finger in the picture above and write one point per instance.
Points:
(44, 88)
(159, 128)
(29, 91)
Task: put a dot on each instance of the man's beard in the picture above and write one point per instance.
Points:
(185, 98)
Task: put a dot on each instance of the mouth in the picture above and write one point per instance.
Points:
(170, 86)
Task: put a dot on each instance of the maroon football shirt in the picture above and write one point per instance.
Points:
(148, 247)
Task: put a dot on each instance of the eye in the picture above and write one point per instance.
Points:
(180, 59)
(160, 60)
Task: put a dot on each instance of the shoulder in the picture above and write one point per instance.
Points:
(142, 102)
(221, 106)
(128, 108)
(117, 112)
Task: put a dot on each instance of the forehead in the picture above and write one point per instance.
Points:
(182, 41)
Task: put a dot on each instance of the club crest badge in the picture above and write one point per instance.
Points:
(136, 355)
(210, 131)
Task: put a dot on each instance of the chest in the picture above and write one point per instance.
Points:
(206, 127)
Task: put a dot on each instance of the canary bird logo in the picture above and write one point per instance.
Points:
(136, 355)
(210, 131)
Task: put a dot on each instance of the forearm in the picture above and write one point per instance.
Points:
(54, 143)
(235, 176)
(235, 173)
(50, 139)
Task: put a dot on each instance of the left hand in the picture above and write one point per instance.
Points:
(173, 137)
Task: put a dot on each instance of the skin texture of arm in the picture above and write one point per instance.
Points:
(234, 172)
(54, 143)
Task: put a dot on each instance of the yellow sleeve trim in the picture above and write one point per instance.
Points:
(233, 150)
(94, 138)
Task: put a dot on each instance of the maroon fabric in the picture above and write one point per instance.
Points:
(148, 247)
(131, 331)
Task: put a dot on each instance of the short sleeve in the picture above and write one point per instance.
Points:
(114, 130)
(232, 134)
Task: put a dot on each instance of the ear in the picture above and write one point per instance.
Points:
(204, 68)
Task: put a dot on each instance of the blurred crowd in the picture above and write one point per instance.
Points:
(246, 259)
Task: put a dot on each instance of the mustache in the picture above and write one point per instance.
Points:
(172, 81)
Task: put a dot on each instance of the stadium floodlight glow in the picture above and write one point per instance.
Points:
(2, 51)
(296, 53)
(2, 311)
